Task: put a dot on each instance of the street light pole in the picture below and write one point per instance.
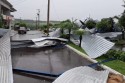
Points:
(36, 23)
(38, 18)
(48, 17)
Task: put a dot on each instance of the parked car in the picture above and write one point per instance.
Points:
(22, 30)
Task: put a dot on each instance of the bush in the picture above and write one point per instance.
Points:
(120, 55)
(64, 36)
(91, 24)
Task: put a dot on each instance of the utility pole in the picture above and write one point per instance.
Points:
(36, 23)
(38, 14)
(48, 17)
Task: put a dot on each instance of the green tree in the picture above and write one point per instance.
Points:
(80, 32)
(66, 25)
(105, 25)
(90, 24)
(1, 21)
(44, 27)
(122, 24)
(56, 26)
(23, 24)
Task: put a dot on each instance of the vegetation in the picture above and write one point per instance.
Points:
(115, 64)
(80, 32)
(122, 24)
(90, 24)
(1, 23)
(120, 42)
(105, 25)
(31, 26)
(20, 24)
(67, 24)
(43, 27)
(23, 24)
(119, 55)
(76, 47)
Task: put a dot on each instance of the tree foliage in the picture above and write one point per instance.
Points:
(67, 24)
(105, 25)
(1, 21)
(80, 32)
(44, 27)
(90, 24)
(122, 20)
(23, 24)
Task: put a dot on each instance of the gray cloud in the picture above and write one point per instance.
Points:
(66, 9)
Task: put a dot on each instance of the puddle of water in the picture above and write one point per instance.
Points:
(55, 61)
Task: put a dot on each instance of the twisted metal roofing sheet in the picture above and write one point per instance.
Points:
(6, 75)
(95, 45)
(83, 75)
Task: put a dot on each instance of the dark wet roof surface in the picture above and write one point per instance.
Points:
(50, 60)
(3, 32)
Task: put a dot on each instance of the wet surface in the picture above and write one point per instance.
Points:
(54, 61)
(28, 36)
(48, 60)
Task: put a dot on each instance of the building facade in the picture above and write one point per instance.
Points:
(5, 10)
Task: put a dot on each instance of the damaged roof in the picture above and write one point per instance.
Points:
(3, 32)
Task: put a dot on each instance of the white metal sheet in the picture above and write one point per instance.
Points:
(83, 75)
(48, 38)
(55, 33)
(6, 75)
(95, 45)
(41, 43)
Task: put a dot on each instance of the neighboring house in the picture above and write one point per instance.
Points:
(5, 9)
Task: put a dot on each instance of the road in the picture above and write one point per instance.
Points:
(28, 36)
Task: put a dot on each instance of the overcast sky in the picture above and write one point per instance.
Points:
(66, 9)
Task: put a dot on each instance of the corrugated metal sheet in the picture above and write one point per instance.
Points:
(5, 59)
(109, 34)
(95, 45)
(83, 75)
(55, 33)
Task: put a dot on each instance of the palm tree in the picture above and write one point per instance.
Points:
(66, 25)
(80, 32)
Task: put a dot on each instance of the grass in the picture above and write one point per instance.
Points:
(115, 64)
(76, 47)
(120, 42)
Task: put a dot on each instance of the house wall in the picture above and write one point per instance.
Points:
(5, 9)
